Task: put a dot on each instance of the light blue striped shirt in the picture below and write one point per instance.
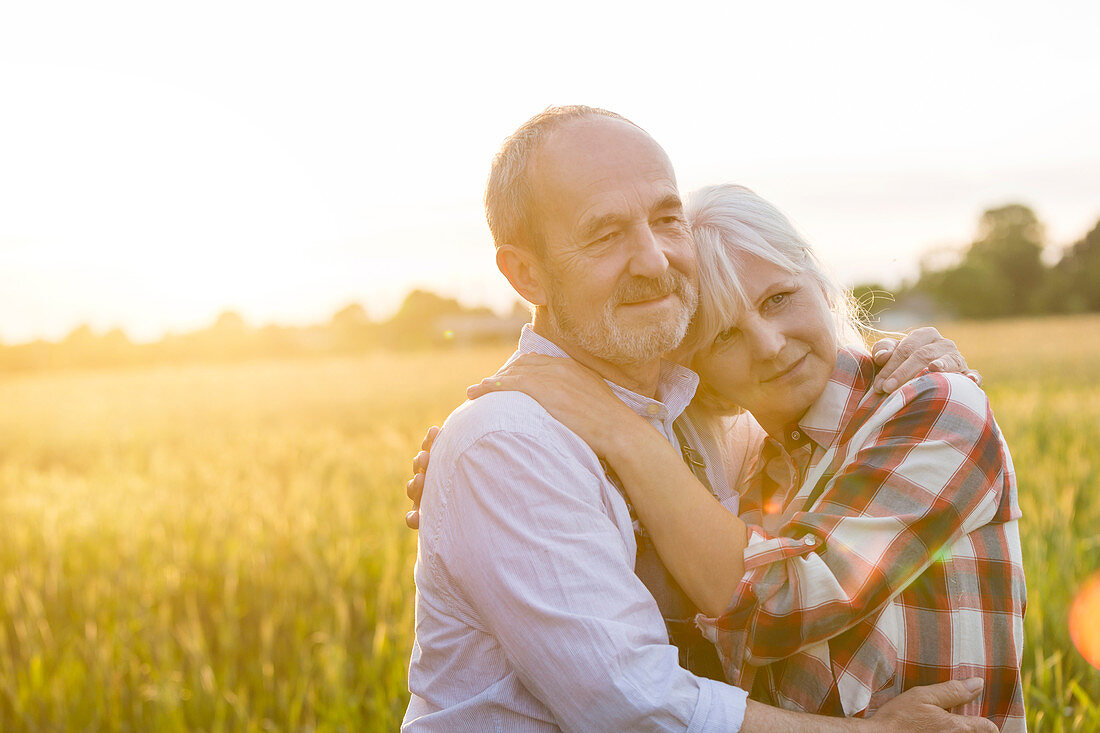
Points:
(529, 616)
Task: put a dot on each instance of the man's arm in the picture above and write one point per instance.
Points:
(531, 546)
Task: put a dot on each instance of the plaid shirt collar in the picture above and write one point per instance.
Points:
(676, 384)
(784, 462)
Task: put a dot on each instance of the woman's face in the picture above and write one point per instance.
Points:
(777, 357)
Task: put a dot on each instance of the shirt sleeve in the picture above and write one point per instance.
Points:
(924, 475)
(545, 569)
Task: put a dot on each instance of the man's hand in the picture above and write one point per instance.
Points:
(925, 709)
(921, 349)
(415, 486)
(919, 710)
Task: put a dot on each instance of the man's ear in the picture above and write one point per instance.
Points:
(524, 271)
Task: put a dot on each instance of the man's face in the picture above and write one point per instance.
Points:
(618, 253)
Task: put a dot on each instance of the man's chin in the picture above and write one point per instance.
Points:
(628, 334)
(642, 341)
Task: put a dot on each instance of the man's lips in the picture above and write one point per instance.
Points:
(786, 370)
(652, 299)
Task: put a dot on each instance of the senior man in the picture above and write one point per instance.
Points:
(536, 607)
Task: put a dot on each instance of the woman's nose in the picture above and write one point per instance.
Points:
(766, 339)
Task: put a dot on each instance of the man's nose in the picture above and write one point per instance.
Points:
(648, 257)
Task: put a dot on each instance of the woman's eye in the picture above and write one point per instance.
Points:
(724, 337)
(778, 299)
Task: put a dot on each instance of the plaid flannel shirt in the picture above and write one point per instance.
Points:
(884, 553)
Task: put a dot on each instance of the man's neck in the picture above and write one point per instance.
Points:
(639, 377)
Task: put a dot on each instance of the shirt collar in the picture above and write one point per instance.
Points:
(834, 409)
(676, 384)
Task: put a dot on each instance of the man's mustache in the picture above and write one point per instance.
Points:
(643, 288)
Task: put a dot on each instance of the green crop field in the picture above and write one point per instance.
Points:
(223, 547)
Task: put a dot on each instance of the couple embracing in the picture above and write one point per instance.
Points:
(692, 499)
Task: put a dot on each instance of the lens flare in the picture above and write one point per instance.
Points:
(1084, 621)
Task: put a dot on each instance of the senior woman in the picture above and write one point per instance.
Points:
(877, 547)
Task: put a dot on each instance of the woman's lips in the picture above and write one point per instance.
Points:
(786, 371)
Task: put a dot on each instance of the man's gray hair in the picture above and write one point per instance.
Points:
(509, 206)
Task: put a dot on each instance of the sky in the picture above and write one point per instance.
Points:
(163, 162)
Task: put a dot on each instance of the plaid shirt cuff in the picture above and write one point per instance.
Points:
(763, 550)
(760, 552)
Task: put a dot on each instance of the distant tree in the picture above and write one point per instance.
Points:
(274, 340)
(1074, 283)
(229, 323)
(414, 324)
(116, 338)
(227, 338)
(971, 290)
(1010, 246)
(1000, 274)
(80, 337)
(350, 316)
(351, 329)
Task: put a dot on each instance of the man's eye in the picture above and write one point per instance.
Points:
(605, 238)
(670, 220)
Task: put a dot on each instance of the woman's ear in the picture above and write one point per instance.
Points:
(524, 271)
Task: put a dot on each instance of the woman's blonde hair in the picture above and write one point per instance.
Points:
(730, 223)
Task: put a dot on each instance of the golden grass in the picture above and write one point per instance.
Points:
(222, 547)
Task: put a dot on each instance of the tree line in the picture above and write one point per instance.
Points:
(424, 320)
(1001, 273)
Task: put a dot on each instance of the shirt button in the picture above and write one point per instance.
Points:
(810, 541)
(795, 435)
(652, 410)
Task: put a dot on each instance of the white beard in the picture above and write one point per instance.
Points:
(621, 342)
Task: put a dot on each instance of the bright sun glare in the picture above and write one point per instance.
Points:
(160, 165)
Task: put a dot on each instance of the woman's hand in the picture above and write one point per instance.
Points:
(573, 394)
(415, 486)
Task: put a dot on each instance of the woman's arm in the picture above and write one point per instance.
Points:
(700, 542)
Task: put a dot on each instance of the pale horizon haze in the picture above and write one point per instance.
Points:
(160, 164)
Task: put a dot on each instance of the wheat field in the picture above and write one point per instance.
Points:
(222, 547)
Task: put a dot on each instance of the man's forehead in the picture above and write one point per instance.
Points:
(601, 158)
(600, 140)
